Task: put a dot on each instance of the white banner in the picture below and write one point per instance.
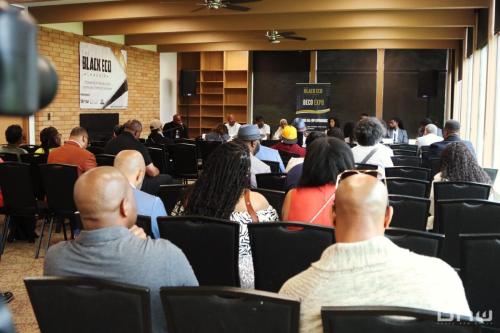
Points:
(103, 77)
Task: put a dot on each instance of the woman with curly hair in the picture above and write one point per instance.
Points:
(49, 138)
(222, 191)
(458, 164)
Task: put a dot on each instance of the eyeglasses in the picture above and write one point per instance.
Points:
(349, 173)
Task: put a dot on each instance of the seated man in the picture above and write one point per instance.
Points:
(111, 247)
(74, 151)
(129, 139)
(14, 137)
(366, 268)
(450, 134)
(131, 164)
(289, 142)
(175, 129)
(232, 126)
(250, 136)
(270, 154)
(430, 136)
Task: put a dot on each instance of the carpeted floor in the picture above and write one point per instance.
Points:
(16, 263)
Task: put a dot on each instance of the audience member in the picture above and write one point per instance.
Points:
(349, 136)
(74, 151)
(222, 191)
(265, 130)
(336, 132)
(232, 126)
(332, 123)
(397, 131)
(365, 268)
(450, 134)
(50, 139)
(218, 134)
(117, 130)
(270, 154)
(364, 115)
(175, 129)
(369, 131)
(423, 123)
(129, 140)
(131, 164)
(312, 200)
(289, 142)
(301, 127)
(111, 247)
(156, 135)
(458, 164)
(250, 135)
(277, 134)
(430, 136)
(294, 166)
(14, 137)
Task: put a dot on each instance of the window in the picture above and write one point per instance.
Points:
(483, 73)
(496, 143)
(466, 116)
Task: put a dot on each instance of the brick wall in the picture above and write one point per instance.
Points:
(62, 48)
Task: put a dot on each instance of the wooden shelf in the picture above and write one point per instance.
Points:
(209, 93)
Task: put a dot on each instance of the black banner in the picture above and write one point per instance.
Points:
(313, 105)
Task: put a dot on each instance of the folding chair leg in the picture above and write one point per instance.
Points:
(63, 223)
(49, 236)
(5, 232)
(39, 243)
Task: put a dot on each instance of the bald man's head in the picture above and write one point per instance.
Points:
(361, 209)
(104, 199)
(131, 164)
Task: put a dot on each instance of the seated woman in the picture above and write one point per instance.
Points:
(218, 134)
(312, 200)
(369, 132)
(222, 191)
(50, 139)
(458, 164)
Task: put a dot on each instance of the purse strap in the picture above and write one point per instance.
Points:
(322, 208)
(250, 209)
(370, 154)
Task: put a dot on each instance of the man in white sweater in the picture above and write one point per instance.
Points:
(365, 268)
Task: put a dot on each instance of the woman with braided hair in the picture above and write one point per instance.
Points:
(222, 191)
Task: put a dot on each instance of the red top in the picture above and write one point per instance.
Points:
(72, 153)
(293, 149)
(306, 202)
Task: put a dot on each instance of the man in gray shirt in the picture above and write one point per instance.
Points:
(112, 247)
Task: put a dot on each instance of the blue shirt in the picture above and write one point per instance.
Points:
(149, 205)
(269, 154)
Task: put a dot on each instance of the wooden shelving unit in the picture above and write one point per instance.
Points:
(222, 89)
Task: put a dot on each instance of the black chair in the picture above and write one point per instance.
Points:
(282, 250)
(59, 181)
(286, 156)
(408, 187)
(34, 160)
(404, 146)
(105, 159)
(184, 160)
(364, 166)
(461, 190)
(409, 172)
(402, 160)
(206, 148)
(275, 198)
(30, 148)
(96, 150)
(19, 196)
(464, 216)
(409, 212)
(271, 181)
(404, 152)
(98, 143)
(159, 158)
(480, 272)
(492, 173)
(383, 319)
(8, 157)
(420, 242)
(210, 245)
(142, 140)
(269, 143)
(435, 165)
(275, 166)
(171, 194)
(83, 305)
(228, 310)
(144, 222)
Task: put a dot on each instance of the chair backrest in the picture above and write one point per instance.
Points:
(184, 160)
(464, 216)
(274, 165)
(364, 166)
(144, 222)
(81, 305)
(402, 160)
(286, 156)
(384, 319)
(408, 187)
(404, 152)
(159, 158)
(480, 272)
(420, 242)
(282, 250)
(210, 245)
(409, 172)
(95, 150)
(105, 159)
(9, 157)
(271, 181)
(409, 212)
(171, 194)
(59, 181)
(34, 160)
(435, 165)
(492, 173)
(461, 190)
(404, 146)
(228, 310)
(269, 143)
(29, 148)
(17, 189)
(207, 147)
(275, 198)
